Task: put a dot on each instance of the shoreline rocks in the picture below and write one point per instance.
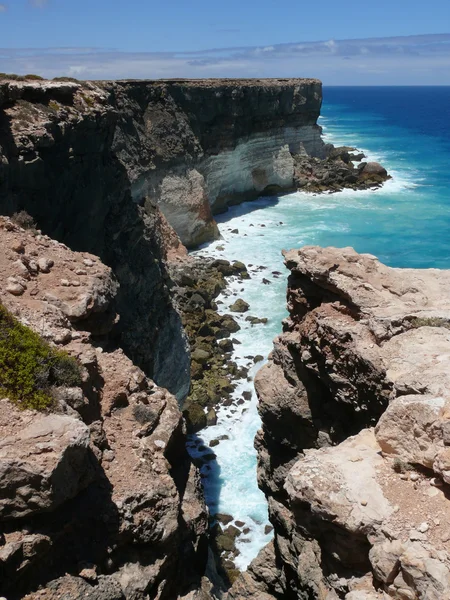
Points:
(337, 172)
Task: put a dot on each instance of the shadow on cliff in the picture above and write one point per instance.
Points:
(78, 192)
(205, 459)
(78, 533)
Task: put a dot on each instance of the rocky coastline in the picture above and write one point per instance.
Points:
(108, 183)
(353, 450)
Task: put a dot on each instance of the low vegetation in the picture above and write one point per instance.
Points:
(24, 220)
(430, 322)
(15, 77)
(29, 367)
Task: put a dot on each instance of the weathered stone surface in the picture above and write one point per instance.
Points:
(364, 345)
(43, 464)
(330, 482)
(411, 428)
(105, 476)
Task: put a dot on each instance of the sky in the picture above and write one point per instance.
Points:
(387, 42)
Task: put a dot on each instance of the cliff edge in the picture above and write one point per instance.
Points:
(353, 450)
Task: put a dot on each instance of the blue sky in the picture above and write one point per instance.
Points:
(386, 42)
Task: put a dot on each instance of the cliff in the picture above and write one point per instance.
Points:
(353, 450)
(96, 164)
(98, 498)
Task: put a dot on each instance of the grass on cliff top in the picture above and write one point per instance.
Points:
(15, 77)
(30, 367)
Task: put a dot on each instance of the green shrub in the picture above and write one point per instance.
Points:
(15, 77)
(401, 466)
(24, 220)
(66, 79)
(30, 367)
(430, 322)
(53, 105)
(34, 77)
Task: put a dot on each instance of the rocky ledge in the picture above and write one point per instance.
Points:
(98, 498)
(354, 448)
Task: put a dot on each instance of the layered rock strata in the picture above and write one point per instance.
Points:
(112, 168)
(98, 498)
(353, 452)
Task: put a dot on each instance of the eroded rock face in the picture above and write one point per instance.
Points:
(42, 463)
(98, 498)
(353, 453)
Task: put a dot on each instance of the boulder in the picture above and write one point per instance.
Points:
(43, 465)
(239, 306)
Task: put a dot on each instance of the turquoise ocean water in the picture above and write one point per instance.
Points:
(406, 224)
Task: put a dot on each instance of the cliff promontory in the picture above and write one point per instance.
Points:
(353, 451)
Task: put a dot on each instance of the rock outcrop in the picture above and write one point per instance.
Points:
(98, 498)
(353, 452)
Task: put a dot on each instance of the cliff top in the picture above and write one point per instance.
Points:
(35, 80)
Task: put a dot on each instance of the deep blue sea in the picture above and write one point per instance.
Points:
(406, 223)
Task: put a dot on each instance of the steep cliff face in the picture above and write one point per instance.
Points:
(358, 512)
(58, 161)
(98, 498)
(96, 163)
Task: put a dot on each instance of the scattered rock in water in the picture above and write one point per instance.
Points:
(239, 306)
(268, 529)
(235, 231)
(213, 443)
(256, 320)
(223, 518)
(266, 281)
(247, 395)
(258, 358)
(239, 524)
(232, 531)
(226, 345)
(211, 418)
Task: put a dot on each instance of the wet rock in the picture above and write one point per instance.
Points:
(226, 345)
(239, 306)
(223, 518)
(200, 356)
(195, 418)
(211, 418)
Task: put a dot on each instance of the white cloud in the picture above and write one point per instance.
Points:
(331, 45)
(378, 61)
(3, 8)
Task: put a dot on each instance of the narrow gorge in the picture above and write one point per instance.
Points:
(105, 187)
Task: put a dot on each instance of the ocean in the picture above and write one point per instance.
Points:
(406, 223)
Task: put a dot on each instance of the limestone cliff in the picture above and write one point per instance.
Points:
(95, 163)
(353, 453)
